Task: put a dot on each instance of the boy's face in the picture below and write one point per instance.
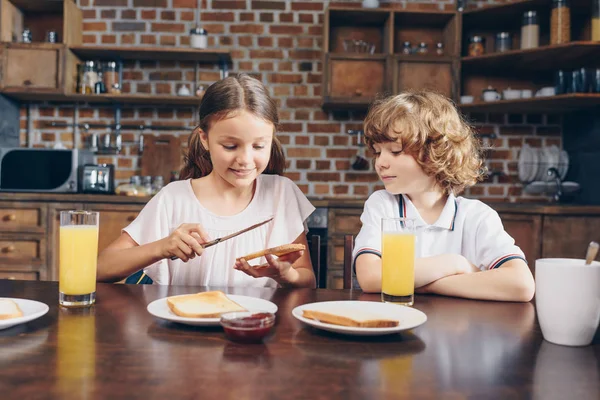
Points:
(399, 171)
(240, 148)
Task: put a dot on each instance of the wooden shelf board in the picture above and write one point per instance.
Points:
(357, 56)
(347, 103)
(133, 99)
(424, 58)
(39, 5)
(551, 104)
(563, 56)
(151, 53)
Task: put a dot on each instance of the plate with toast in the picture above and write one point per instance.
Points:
(205, 308)
(362, 318)
(17, 311)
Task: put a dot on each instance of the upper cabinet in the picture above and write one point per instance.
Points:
(371, 52)
(44, 71)
(550, 65)
(539, 55)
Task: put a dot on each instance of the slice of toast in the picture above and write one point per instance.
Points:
(276, 251)
(202, 305)
(354, 318)
(9, 309)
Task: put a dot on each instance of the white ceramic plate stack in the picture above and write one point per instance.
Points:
(528, 164)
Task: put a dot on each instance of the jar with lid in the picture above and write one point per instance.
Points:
(530, 30)
(157, 184)
(439, 49)
(560, 22)
(503, 42)
(26, 35)
(596, 20)
(89, 77)
(476, 46)
(147, 184)
(198, 38)
(406, 48)
(422, 49)
(111, 77)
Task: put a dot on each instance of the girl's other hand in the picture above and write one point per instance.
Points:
(279, 268)
(185, 242)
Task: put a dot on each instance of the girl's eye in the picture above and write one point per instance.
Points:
(377, 153)
(232, 147)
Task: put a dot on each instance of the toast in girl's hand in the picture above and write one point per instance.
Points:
(9, 309)
(202, 305)
(276, 251)
(354, 318)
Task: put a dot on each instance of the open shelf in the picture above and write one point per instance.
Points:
(551, 104)
(150, 53)
(553, 57)
(123, 99)
(347, 103)
(496, 16)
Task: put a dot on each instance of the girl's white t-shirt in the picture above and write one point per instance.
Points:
(275, 196)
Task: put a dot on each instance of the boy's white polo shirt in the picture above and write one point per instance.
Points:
(467, 227)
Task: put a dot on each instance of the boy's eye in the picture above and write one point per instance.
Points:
(259, 146)
(396, 153)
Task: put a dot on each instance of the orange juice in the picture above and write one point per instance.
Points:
(398, 264)
(78, 259)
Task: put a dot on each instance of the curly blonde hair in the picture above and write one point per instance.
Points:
(429, 128)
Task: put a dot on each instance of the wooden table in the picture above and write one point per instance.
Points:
(466, 349)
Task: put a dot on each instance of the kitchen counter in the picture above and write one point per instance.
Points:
(520, 208)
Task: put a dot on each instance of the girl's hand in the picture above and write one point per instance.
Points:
(279, 269)
(185, 242)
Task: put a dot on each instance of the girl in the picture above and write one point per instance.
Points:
(425, 154)
(223, 189)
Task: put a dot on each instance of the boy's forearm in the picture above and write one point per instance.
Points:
(431, 269)
(511, 282)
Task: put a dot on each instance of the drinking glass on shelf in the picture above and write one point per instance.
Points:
(78, 255)
(398, 245)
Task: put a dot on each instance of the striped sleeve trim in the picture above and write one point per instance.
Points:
(502, 260)
(364, 250)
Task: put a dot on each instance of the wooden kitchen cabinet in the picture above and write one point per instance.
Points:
(113, 218)
(342, 221)
(526, 229)
(569, 236)
(37, 67)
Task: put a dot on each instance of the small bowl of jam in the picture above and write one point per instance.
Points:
(247, 326)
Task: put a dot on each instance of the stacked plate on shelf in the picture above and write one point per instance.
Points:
(534, 164)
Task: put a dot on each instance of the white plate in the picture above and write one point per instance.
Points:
(31, 310)
(407, 316)
(160, 309)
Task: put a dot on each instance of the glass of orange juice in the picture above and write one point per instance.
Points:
(398, 241)
(78, 256)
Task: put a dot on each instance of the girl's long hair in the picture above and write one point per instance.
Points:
(222, 100)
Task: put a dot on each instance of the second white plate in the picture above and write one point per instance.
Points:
(408, 317)
(160, 309)
(31, 310)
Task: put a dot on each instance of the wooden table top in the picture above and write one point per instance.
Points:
(116, 349)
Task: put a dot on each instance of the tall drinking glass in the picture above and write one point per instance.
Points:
(398, 237)
(78, 258)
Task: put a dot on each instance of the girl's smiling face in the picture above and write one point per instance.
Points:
(239, 147)
(400, 172)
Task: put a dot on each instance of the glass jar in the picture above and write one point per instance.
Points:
(560, 22)
(157, 184)
(530, 30)
(111, 77)
(89, 77)
(147, 184)
(406, 48)
(503, 42)
(198, 38)
(596, 20)
(476, 46)
(26, 35)
(422, 49)
(439, 49)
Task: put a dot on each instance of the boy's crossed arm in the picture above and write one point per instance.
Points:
(454, 275)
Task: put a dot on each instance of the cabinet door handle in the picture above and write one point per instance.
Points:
(358, 92)
(11, 278)
(10, 217)
(8, 249)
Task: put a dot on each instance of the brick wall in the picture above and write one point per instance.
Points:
(280, 42)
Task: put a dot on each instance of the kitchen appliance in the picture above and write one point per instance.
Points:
(24, 169)
(98, 178)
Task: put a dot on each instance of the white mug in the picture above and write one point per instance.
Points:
(567, 300)
(466, 99)
(526, 93)
(491, 95)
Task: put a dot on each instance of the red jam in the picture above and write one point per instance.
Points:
(247, 327)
